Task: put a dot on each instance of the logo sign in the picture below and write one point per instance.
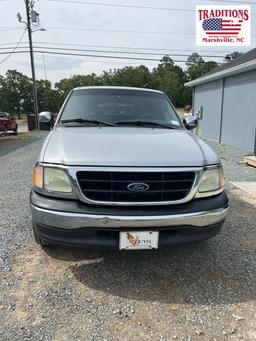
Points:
(138, 187)
(133, 239)
(223, 25)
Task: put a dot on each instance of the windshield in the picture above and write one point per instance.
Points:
(119, 105)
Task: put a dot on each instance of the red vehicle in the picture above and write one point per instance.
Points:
(7, 123)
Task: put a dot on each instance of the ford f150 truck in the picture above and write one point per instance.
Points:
(120, 169)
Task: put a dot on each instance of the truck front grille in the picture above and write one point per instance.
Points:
(111, 186)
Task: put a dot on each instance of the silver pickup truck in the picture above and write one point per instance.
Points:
(120, 169)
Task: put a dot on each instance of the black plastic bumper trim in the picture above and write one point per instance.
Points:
(62, 205)
(92, 238)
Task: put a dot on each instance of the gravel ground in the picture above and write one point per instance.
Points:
(203, 291)
(232, 161)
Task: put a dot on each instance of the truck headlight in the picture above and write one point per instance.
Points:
(56, 180)
(51, 179)
(211, 183)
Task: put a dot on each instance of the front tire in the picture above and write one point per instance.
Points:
(38, 239)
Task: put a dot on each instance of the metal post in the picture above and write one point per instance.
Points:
(28, 4)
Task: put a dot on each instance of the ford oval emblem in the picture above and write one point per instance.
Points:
(138, 187)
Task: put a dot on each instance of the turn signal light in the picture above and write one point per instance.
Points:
(38, 177)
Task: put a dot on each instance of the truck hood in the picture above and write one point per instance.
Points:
(126, 146)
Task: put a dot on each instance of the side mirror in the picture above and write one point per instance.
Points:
(190, 122)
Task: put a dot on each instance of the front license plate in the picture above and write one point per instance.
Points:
(138, 240)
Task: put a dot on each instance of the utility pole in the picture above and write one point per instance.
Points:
(29, 6)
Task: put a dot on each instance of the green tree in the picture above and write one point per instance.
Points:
(65, 85)
(107, 77)
(187, 96)
(197, 66)
(15, 92)
(16, 95)
(48, 98)
(138, 76)
(169, 78)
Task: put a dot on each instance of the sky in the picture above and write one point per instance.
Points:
(104, 28)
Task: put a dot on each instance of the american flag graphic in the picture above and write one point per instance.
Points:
(218, 26)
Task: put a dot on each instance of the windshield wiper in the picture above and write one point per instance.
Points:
(84, 121)
(146, 123)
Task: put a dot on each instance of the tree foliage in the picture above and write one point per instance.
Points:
(169, 78)
(197, 66)
(65, 85)
(16, 88)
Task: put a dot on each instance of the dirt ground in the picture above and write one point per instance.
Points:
(201, 291)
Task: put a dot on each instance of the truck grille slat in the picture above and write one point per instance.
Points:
(139, 193)
(113, 186)
(134, 180)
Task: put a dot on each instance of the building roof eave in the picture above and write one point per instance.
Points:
(224, 73)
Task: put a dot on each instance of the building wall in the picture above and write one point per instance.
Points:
(209, 97)
(238, 112)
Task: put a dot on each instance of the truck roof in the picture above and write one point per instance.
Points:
(117, 88)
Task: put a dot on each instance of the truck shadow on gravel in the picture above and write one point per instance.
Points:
(219, 271)
(12, 143)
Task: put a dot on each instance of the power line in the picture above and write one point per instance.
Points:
(17, 45)
(93, 56)
(121, 47)
(122, 52)
(9, 29)
(116, 52)
(27, 51)
(129, 48)
(103, 56)
(124, 6)
(16, 52)
(114, 31)
(12, 47)
(7, 44)
(138, 7)
(117, 31)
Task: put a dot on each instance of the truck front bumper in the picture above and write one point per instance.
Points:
(65, 222)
